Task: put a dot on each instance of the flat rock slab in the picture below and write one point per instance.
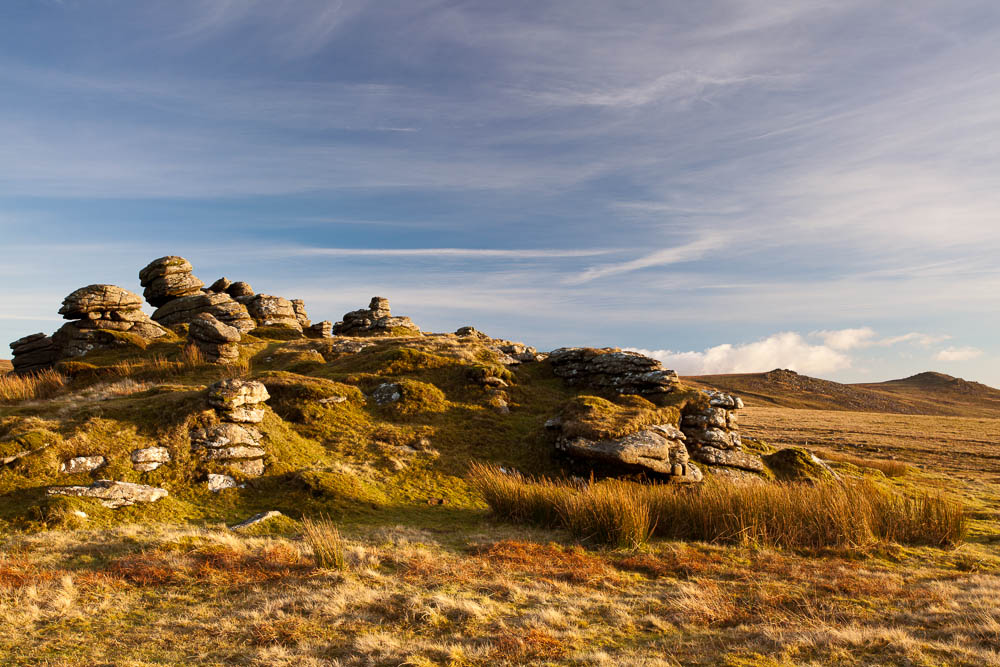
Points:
(257, 519)
(111, 493)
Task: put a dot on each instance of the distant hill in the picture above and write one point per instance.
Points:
(5, 366)
(922, 394)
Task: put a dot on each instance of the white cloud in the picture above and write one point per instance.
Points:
(958, 354)
(448, 252)
(846, 339)
(682, 253)
(782, 350)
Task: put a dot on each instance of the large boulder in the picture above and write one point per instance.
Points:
(611, 369)
(230, 448)
(273, 311)
(34, 353)
(168, 278)
(98, 301)
(658, 449)
(221, 306)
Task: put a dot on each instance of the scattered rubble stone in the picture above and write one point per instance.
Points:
(376, 320)
(168, 278)
(612, 369)
(149, 458)
(111, 493)
(79, 464)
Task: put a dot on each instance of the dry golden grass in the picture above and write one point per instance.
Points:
(34, 386)
(852, 513)
(326, 542)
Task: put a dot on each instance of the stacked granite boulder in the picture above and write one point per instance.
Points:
(168, 278)
(611, 369)
(322, 329)
(34, 353)
(713, 436)
(234, 445)
(376, 320)
(178, 296)
(98, 312)
(659, 449)
(217, 342)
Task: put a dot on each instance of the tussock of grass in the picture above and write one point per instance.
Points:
(326, 542)
(40, 385)
(852, 514)
(888, 468)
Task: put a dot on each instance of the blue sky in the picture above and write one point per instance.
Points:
(732, 186)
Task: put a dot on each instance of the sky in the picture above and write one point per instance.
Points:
(729, 186)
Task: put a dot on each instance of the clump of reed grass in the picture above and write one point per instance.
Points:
(30, 386)
(326, 542)
(889, 468)
(792, 515)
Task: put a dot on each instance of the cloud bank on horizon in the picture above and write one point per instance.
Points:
(729, 178)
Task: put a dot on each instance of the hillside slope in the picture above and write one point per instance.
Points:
(923, 394)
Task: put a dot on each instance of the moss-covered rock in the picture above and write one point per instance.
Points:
(795, 464)
(597, 418)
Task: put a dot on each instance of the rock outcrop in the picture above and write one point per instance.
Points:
(299, 306)
(322, 329)
(713, 434)
(611, 369)
(376, 320)
(221, 306)
(79, 464)
(99, 313)
(148, 459)
(111, 493)
(273, 311)
(218, 343)
(659, 449)
(34, 353)
(168, 278)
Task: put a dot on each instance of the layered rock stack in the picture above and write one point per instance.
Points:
(713, 434)
(34, 353)
(611, 369)
(376, 320)
(299, 306)
(178, 296)
(98, 311)
(234, 445)
(322, 329)
(168, 278)
(217, 342)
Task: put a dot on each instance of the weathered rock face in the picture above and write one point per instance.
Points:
(168, 278)
(111, 493)
(34, 353)
(241, 291)
(99, 312)
(220, 286)
(273, 311)
(612, 369)
(517, 353)
(376, 320)
(221, 306)
(299, 306)
(659, 449)
(713, 434)
(217, 342)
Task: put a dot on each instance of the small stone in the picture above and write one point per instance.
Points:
(388, 392)
(79, 464)
(150, 458)
(257, 519)
(217, 483)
